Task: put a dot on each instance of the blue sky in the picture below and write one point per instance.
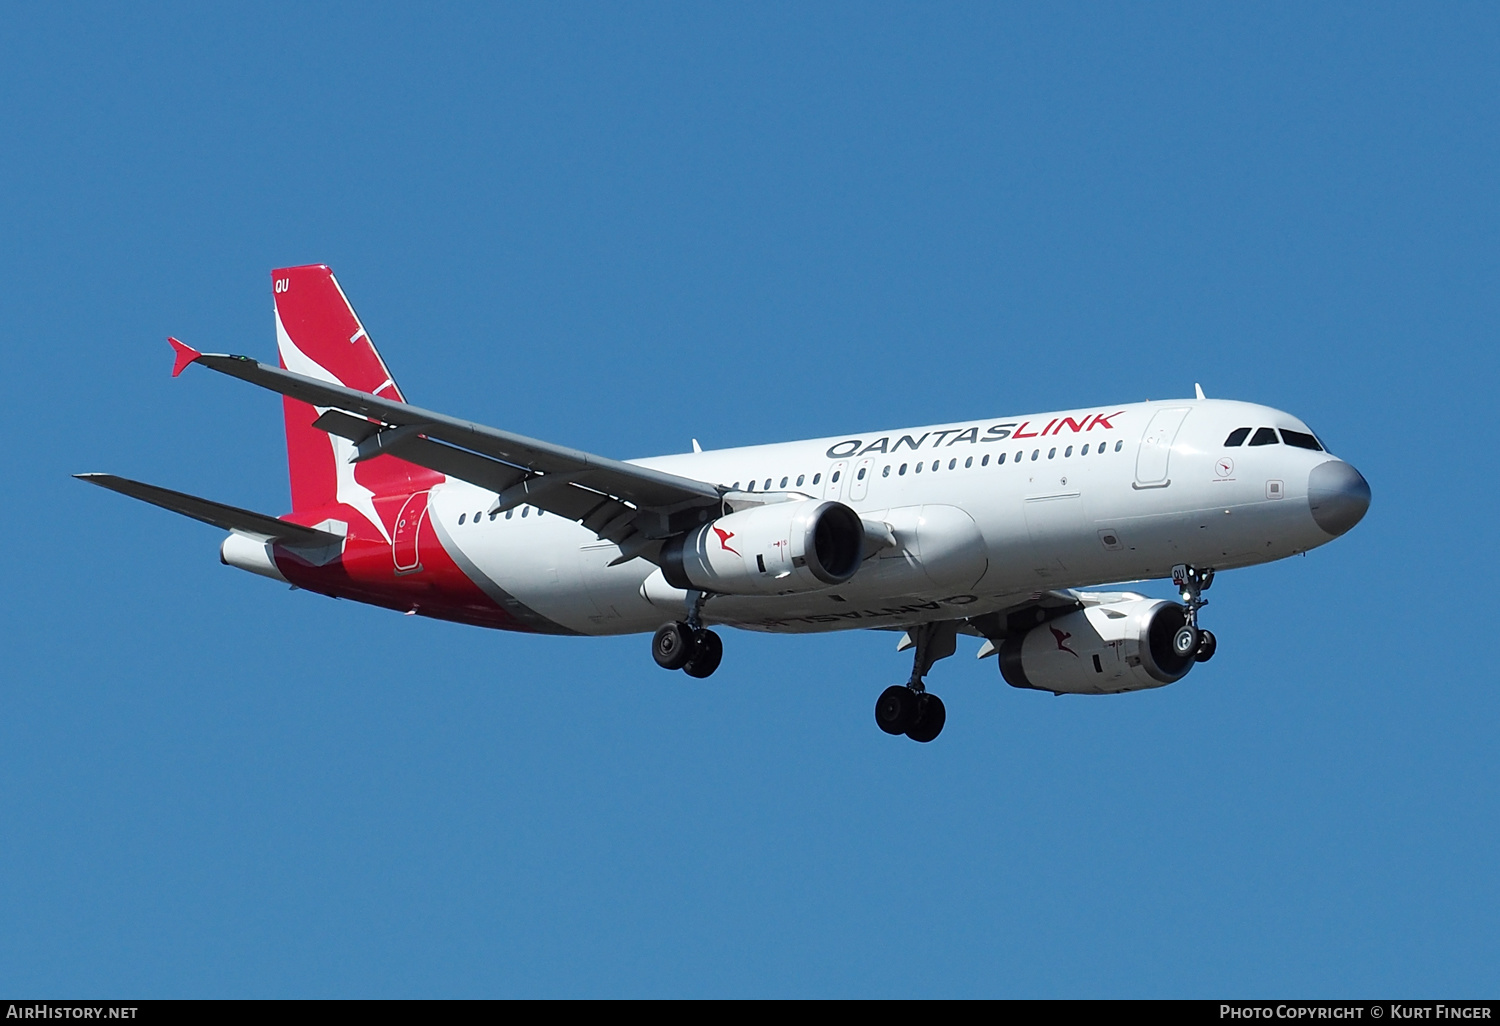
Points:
(622, 227)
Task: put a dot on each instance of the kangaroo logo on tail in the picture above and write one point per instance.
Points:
(319, 335)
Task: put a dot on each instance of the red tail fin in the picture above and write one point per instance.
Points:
(318, 334)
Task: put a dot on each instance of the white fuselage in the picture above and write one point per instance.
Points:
(983, 514)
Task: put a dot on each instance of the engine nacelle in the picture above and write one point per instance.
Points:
(1099, 650)
(778, 549)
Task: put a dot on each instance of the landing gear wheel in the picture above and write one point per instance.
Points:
(1185, 641)
(672, 646)
(1207, 645)
(930, 719)
(708, 652)
(896, 709)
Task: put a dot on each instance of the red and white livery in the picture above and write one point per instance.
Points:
(987, 528)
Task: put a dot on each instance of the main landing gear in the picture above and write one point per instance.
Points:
(908, 708)
(1190, 639)
(687, 645)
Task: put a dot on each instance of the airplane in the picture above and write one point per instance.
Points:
(992, 528)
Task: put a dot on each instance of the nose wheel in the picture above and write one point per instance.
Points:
(1190, 639)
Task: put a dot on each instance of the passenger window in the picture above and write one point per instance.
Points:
(1000, 459)
(1034, 454)
(887, 471)
(1236, 437)
(1084, 451)
(968, 462)
(902, 471)
(752, 486)
(861, 475)
(835, 478)
(1301, 440)
(768, 484)
(509, 513)
(1051, 452)
(919, 467)
(477, 516)
(817, 478)
(984, 460)
(784, 481)
(494, 515)
(936, 464)
(1018, 456)
(1264, 436)
(461, 517)
(953, 464)
(1119, 445)
(525, 510)
(800, 479)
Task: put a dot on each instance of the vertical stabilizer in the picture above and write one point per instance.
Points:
(319, 335)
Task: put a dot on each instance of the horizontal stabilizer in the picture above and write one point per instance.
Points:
(230, 518)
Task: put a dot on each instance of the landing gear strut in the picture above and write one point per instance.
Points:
(687, 645)
(1190, 639)
(908, 708)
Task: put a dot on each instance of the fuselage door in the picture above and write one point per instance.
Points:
(834, 487)
(408, 528)
(859, 485)
(1151, 463)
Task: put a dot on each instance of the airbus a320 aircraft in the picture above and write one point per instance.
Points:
(986, 528)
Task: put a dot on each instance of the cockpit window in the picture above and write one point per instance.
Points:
(1264, 436)
(1301, 439)
(1236, 437)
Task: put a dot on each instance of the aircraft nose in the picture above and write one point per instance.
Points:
(1338, 495)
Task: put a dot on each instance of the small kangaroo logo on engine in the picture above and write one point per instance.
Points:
(1062, 637)
(724, 537)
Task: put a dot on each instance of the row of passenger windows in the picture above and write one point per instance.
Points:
(525, 511)
(801, 478)
(937, 465)
(933, 467)
(1267, 436)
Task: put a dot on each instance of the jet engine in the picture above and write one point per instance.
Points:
(1099, 650)
(777, 549)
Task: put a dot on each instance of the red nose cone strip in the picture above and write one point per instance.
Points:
(185, 356)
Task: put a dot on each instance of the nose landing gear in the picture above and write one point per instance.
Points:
(1190, 639)
(908, 708)
(687, 645)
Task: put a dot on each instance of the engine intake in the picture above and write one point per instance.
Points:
(778, 549)
(1099, 650)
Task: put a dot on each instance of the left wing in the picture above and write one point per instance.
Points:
(635, 507)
